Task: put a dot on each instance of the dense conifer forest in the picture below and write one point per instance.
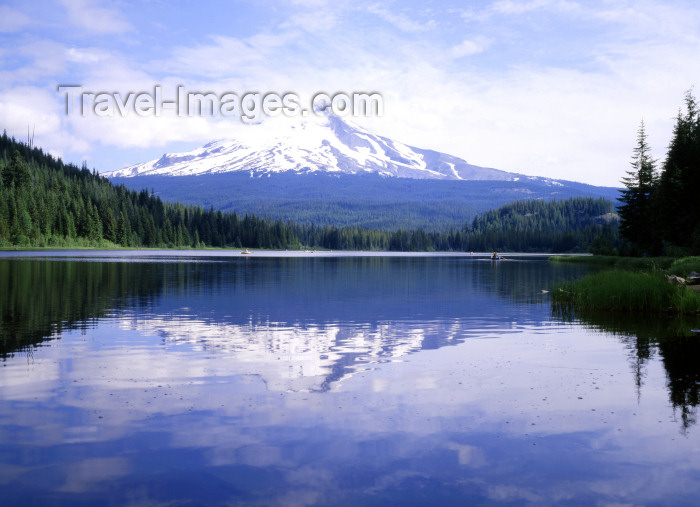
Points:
(47, 203)
(368, 201)
(571, 225)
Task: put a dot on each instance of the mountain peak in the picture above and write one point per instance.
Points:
(317, 144)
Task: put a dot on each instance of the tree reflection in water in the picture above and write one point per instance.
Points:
(673, 338)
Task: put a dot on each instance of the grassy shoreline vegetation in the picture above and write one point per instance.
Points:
(616, 262)
(635, 285)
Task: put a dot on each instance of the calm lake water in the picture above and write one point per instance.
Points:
(132, 378)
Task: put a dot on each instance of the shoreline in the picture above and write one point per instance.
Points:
(633, 285)
(97, 253)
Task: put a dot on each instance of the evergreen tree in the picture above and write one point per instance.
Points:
(635, 212)
(16, 173)
(123, 232)
(677, 203)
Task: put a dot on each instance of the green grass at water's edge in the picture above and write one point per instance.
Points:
(612, 261)
(684, 266)
(632, 289)
(670, 265)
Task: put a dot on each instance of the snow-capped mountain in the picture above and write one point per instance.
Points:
(325, 170)
(318, 144)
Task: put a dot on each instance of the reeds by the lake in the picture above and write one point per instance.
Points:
(627, 291)
(614, 261)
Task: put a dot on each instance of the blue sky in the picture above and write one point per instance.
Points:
(544, 87)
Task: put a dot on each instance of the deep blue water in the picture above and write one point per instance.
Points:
(322, 379)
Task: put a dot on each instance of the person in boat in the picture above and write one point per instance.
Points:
(495, 256)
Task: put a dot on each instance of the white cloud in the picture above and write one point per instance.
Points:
(84, 55)
(510, 7)
(312, 22)
(310, 3)
(94, 18)
(468, 48)
(399, 19)
(12, 20)
(39, 60)
(645, 21)
(39, 110)
(225, 57)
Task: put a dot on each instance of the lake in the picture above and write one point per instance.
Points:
(302, 379)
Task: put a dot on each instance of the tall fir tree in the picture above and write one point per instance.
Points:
(16, 172)
(677, 204)
(636, 209)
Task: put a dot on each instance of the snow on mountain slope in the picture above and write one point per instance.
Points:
(323, 143)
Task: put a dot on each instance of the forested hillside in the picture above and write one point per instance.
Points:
(546, 226)
(46, 203)
(368, 201)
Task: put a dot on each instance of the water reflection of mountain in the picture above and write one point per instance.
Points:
(671, 338)
(324, 318)
(303, 357)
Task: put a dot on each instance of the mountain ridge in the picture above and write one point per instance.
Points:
(321, 144)
(327, 171)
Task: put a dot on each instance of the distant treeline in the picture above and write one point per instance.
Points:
(576, 224)
(46, 203)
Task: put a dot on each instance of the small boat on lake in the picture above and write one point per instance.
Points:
(246, 252)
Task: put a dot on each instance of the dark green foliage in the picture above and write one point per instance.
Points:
(627, 291)
(636, 210)
(45, 203)
(618, 262)
(545, 226)
(634, 285)
(678, 203)
(664, 215)
(571, 225)
(16, 172)
(684, 266)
